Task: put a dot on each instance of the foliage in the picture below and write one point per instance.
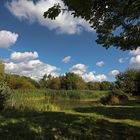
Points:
(21, 95)
(20, 82)
(69, 81)
(72, 81)
(4, 89)
(105, 85)
(44, 81)
(115, 96)
(116, 22)
(1, 67)
(110, 100)
(54, 83)
(129, 81)
(4, 94)
(93, 85)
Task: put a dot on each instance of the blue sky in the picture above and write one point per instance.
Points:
(53, 41)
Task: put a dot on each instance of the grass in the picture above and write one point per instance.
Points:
(64, 125)
(35, 116)
(21, 99)
(71, 94)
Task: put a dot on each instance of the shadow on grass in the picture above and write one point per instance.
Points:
(122, 112)
(31, 125)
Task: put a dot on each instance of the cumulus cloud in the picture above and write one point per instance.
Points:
(135, 52)
(100, 63)
(91, 77)
(79, 69)
(66, 59)
(33, 12)
(114, 72)
(7, 38)
(123, 60)
(135, 59)
(32, 68)
(24, 64)
(19, 56)
(135, 62)
(82, 70)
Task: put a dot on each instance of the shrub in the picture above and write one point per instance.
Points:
(129, 81)
(123, 98)
(116, 96)
(4, 94)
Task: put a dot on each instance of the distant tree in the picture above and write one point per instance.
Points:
(54, 83)
(93, 85)
(32, 81)
(1, 67)
(20, 82)
(45, 81)
(106, 85)
(72, 81)
(116, 22)
(129, 81)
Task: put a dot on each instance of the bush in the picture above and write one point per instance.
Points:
(129, 81)
(123, 98)
(110, 100)
(4, 94)
(115, 97)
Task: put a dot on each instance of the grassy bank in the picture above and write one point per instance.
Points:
(61, 98)
(39, 115)
(71, 94)
(67, 125)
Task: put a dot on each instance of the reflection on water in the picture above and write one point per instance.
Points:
(66, 104)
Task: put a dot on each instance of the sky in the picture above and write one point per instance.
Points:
(33, 46)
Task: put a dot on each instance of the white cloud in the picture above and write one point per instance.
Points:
(100, 63)
(66, 59)
(135, 59)
(135, 62)
(7, 38)
(82, 70)
(123, 60)
(91, 77)
(135, 52)
(19, 56)
(114, 72)
(79, 69)
(33, 12)
(32, 68)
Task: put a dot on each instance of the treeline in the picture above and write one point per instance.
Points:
(71, 81)
(128, 82)
(20, 82)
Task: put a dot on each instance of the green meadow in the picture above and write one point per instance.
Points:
(64, 115)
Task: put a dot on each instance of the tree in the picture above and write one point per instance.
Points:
(20, 82)
(4, 89)
(54, 83)
(129, 81)
(106, 85)
(116, 22)
(72, 81)
(93, 85)
(45, 81)
(1, 67)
